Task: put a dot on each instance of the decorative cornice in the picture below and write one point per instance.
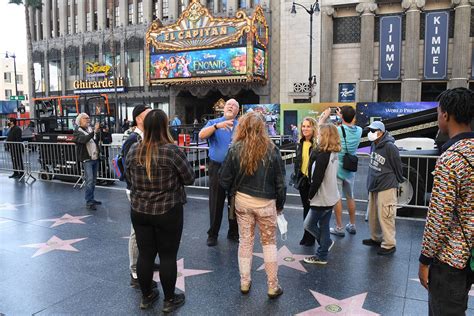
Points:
(366, 8)
(328, 10)
(461, 3)
(413, 5)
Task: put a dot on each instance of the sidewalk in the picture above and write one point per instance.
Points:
(58, 258)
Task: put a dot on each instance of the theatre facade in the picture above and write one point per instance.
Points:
(203, 59)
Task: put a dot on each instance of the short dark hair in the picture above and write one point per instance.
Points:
(348, 113)
(458, 103)
(13, 120)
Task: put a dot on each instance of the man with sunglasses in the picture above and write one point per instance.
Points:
(384, 175)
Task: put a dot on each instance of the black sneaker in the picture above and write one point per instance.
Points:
(91, 207)
(96, 202)
(173, 304)
(386, 251)
(371, 242)
(147, 301)
(211, 241)
(136, 285)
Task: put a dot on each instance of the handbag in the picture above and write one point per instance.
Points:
(349, 161)
(301, 182)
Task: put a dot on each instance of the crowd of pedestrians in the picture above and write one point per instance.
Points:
(247, 168)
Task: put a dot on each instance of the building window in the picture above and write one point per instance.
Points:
(69, 25)
(156, 6)
(210, 5)
(389, 92)
(8, 77)
(255, 3)
(8, 94)
(346, 30)
(140, 12)
(135, 67)
(242, 4)
(165, 9)
(117, 16)
(301, 101)
(19, 79)
(21, 92)
(431, 90)
(76, 26)
(223, 7)
(72, 70)
(95, 25)
(181, 7)
(130, 13)
(55, 75)
(88, 21)
(39, 78)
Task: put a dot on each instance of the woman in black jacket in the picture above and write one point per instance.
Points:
(309, 133)
(157, 171)
(254, 173)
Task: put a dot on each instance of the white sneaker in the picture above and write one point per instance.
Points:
(338, 231)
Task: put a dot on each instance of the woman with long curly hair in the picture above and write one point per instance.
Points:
(157, 171)
(309, 133)
(254, 173)
(323, 193)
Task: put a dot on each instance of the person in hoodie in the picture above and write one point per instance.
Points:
(323, 193)
(384, 175)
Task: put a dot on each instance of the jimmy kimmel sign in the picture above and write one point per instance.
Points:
(436, 45)
(390, 47)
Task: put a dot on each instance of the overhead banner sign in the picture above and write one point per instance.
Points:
(436, 45)
(390, 47)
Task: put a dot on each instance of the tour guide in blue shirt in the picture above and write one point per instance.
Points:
(219, 134)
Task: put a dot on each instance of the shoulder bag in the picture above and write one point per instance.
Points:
(349, 162)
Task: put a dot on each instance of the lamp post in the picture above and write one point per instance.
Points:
(14, 73)
(314, 8)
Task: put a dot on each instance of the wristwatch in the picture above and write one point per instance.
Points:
(215, 126)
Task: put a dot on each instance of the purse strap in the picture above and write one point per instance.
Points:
(344, 136)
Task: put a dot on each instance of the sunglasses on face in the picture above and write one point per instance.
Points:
(373, 130)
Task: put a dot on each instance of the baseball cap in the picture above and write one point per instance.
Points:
(137, 110)
(377, 125)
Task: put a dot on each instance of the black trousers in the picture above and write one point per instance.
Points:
(448, 289)
(16, 151)
(158, 234)
(304, 192)
(217, 196)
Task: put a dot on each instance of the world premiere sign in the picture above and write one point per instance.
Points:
(390, 47)
(436, 45)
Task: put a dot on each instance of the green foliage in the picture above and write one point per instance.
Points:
(35, 4)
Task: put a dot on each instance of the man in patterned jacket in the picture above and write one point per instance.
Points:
(448, 238)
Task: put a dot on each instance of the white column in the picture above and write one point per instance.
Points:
(81, 15)
(135, 12)
(73, 17)
(38, 25)
(32, 25)
(101, 14)
(123, 8)
(173, 9)
(147, 11)
(46, 16)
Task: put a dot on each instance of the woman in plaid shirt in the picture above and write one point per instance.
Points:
(158, 170)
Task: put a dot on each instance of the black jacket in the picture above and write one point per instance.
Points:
(299, 158)
(81, 141)
(14, 135)
(268, 181)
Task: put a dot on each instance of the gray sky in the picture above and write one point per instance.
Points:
(13, 30)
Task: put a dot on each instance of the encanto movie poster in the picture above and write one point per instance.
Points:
(259, 62)
(202, 63)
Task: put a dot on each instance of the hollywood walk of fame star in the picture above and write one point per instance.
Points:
(9, 206)
(66, 219)
(182, 273)
(54, 243)
(471, 292)
(331, 306)
(286, 258)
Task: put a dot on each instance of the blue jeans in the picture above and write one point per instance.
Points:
(317, 224)
(90, 174)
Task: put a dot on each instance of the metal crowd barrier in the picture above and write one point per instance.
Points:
(58, 160)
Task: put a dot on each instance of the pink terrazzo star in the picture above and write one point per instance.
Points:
(182, 273)
(54, 243)
(66, 219)
(286, 258)
(331, 306)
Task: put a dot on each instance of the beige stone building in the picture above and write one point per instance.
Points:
(7, 81)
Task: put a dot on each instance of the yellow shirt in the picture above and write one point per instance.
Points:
(305, 157)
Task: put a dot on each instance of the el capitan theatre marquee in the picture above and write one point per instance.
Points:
(202, 49)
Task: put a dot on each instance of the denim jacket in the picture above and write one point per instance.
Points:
(268, 181)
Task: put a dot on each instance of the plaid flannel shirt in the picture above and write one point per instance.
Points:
(170, 172)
